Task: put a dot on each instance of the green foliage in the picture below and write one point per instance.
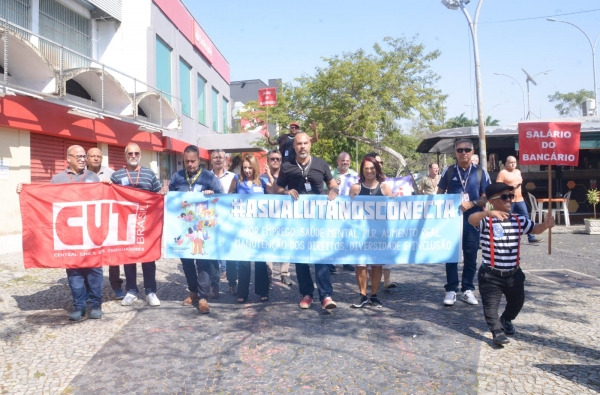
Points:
(569, 104)
(462, 121)
(593, 198)
(361, 96)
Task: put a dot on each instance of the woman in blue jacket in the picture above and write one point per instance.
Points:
(248, 182)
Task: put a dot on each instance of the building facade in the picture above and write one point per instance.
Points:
(102, 73)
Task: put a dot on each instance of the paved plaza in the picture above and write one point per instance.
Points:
(414, 345)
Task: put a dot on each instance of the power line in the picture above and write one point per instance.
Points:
(542, 17)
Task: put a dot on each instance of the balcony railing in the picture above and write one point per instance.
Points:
(111, 92)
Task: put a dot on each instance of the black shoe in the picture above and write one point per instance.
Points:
(375, 302)
(96, 313)
(361, 302)
(349, 268)
(507, 326)
(286, 281)
(534, 241)
(78, 314)
(500, 339)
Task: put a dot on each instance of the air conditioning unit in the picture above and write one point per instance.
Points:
(588, 107)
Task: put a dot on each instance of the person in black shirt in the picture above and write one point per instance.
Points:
(286, 141)
(306, 176)
(370, 184)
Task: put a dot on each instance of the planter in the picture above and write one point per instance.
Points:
(592, 226)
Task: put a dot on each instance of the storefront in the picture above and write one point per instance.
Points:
(503, 141)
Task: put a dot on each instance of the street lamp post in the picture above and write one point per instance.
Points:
(593, 46)
(522, 91)
(454, 5)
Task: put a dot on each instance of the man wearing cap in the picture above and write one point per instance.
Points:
(469, 181)
(286, 141)
(500, 273)
(512, 176)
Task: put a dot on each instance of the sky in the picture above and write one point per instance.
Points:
(265, 39)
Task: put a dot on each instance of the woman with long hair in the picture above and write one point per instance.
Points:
(248, 182)
(370, 184)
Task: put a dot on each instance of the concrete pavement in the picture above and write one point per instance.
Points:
(413, 345)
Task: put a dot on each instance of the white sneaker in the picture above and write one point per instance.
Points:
(128, 299)
(469, 298)
(450, 298)
(152, 299)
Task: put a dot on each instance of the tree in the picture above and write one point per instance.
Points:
(361, 96)
(462, 121)
(569, 104)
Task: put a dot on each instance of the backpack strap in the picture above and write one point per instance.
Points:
(518, 240)
(491, 230)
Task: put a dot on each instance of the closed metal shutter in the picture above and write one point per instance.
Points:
(49, 155)
(116, 157)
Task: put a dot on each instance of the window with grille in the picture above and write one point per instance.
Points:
(68, 28)
(16, 11)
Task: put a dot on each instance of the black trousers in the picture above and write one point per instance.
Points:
(114, 276)
(491, 289)
(231, 271)
(261, 278)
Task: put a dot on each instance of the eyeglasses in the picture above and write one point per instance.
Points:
(275, 159)
(294, 127)
(505, 196)
(78, 157)
(461, 150)
(133, 154)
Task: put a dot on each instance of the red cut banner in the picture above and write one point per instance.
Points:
(267, 97)
(83, 225)
(549, 143)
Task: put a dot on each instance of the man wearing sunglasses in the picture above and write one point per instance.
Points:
(500, 272)
(469, 181)
(286, 141)
(512, 176)
(135, 175)
(85, 283)
(270, 176)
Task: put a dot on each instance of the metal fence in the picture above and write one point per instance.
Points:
(63, 58)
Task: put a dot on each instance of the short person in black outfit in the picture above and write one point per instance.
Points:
(136, 176)
(286, 141)
(197, 271)
(371, 178)
(499, 272)
(306, 176)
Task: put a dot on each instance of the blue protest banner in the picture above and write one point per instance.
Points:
(363, 230)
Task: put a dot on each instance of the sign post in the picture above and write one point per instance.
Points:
(549, 143)
(267, 97)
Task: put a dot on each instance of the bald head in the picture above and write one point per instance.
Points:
(343, 162)
(511, 163)
(76, 158)
(94, 159)
(302, 146)
(133, 154)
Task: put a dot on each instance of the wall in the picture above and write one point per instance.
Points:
(15, 149)
(182, 47)
(150, 159)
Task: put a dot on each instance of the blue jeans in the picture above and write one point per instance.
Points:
(322, 276)
(521, 208)
(149, 270)
(197, 273)
(470, 245)
(95, 279)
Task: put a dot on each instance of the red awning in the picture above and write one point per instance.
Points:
(175, 145)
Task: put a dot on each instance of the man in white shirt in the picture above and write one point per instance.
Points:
(218, 162)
